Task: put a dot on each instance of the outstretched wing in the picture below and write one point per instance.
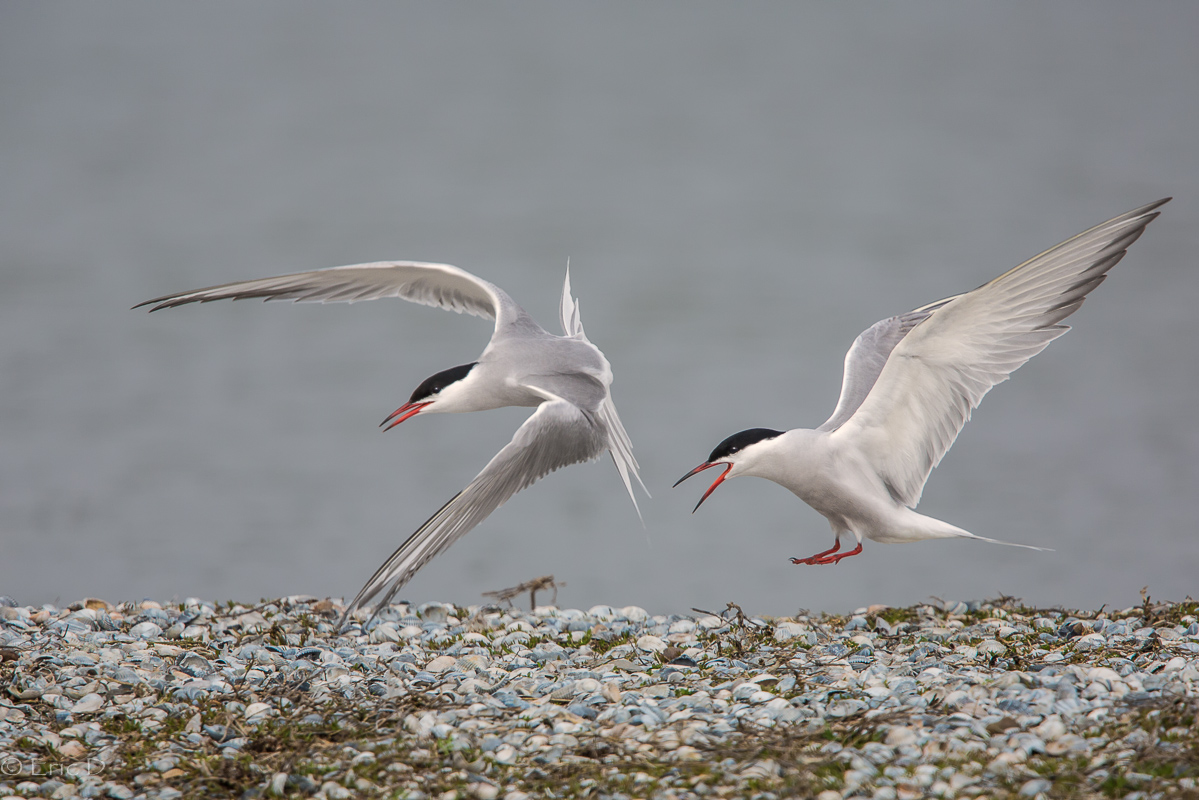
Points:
(938, 371)
(556, 435)
(866, 358)
(439, 285)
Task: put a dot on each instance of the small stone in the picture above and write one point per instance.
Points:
(145, 630)
(651, 644)
(434, 612)
(145, 779)
(1052, 728)
(218, 733)
(1002, 726)
(335, 791)
(195, 632)
(900, 735)
(72, 750)
(1035, 787)
(88, 704)
(257, 711)
(385, 633)
(762, 770)
(786, 631)
(440, 664)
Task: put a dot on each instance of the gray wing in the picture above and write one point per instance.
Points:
(866, 358)
(438, 285)
(556, 435)
(940, 370)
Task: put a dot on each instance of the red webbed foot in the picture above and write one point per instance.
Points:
(829, 556)
(816, 558)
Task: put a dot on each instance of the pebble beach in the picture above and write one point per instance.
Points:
(947, 699)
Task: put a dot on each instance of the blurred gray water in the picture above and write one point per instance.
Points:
(740, 190)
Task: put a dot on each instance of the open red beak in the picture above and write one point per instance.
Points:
(402, 413)
(727, 466)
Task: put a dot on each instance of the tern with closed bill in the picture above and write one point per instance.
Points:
(910, 384)
(565, 377)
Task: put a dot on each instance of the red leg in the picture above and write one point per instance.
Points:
(816, 558)
(837, 558)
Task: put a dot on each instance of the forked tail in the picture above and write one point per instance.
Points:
(572, 324)
(934, 528)
(1009, 544)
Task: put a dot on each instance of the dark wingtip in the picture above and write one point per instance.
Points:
(158, 303)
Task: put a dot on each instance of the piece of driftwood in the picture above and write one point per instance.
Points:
(532, 587)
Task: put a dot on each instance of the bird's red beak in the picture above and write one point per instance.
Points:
(402, 413)
(727, 466)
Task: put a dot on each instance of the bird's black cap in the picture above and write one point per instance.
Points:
(436, 383)
(740, 441)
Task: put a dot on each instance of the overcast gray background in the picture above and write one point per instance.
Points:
(740, 189)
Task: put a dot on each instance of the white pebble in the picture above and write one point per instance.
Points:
(900, 735)
(440, 664)
(88, 704)
(651, 644)
(145, 630)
